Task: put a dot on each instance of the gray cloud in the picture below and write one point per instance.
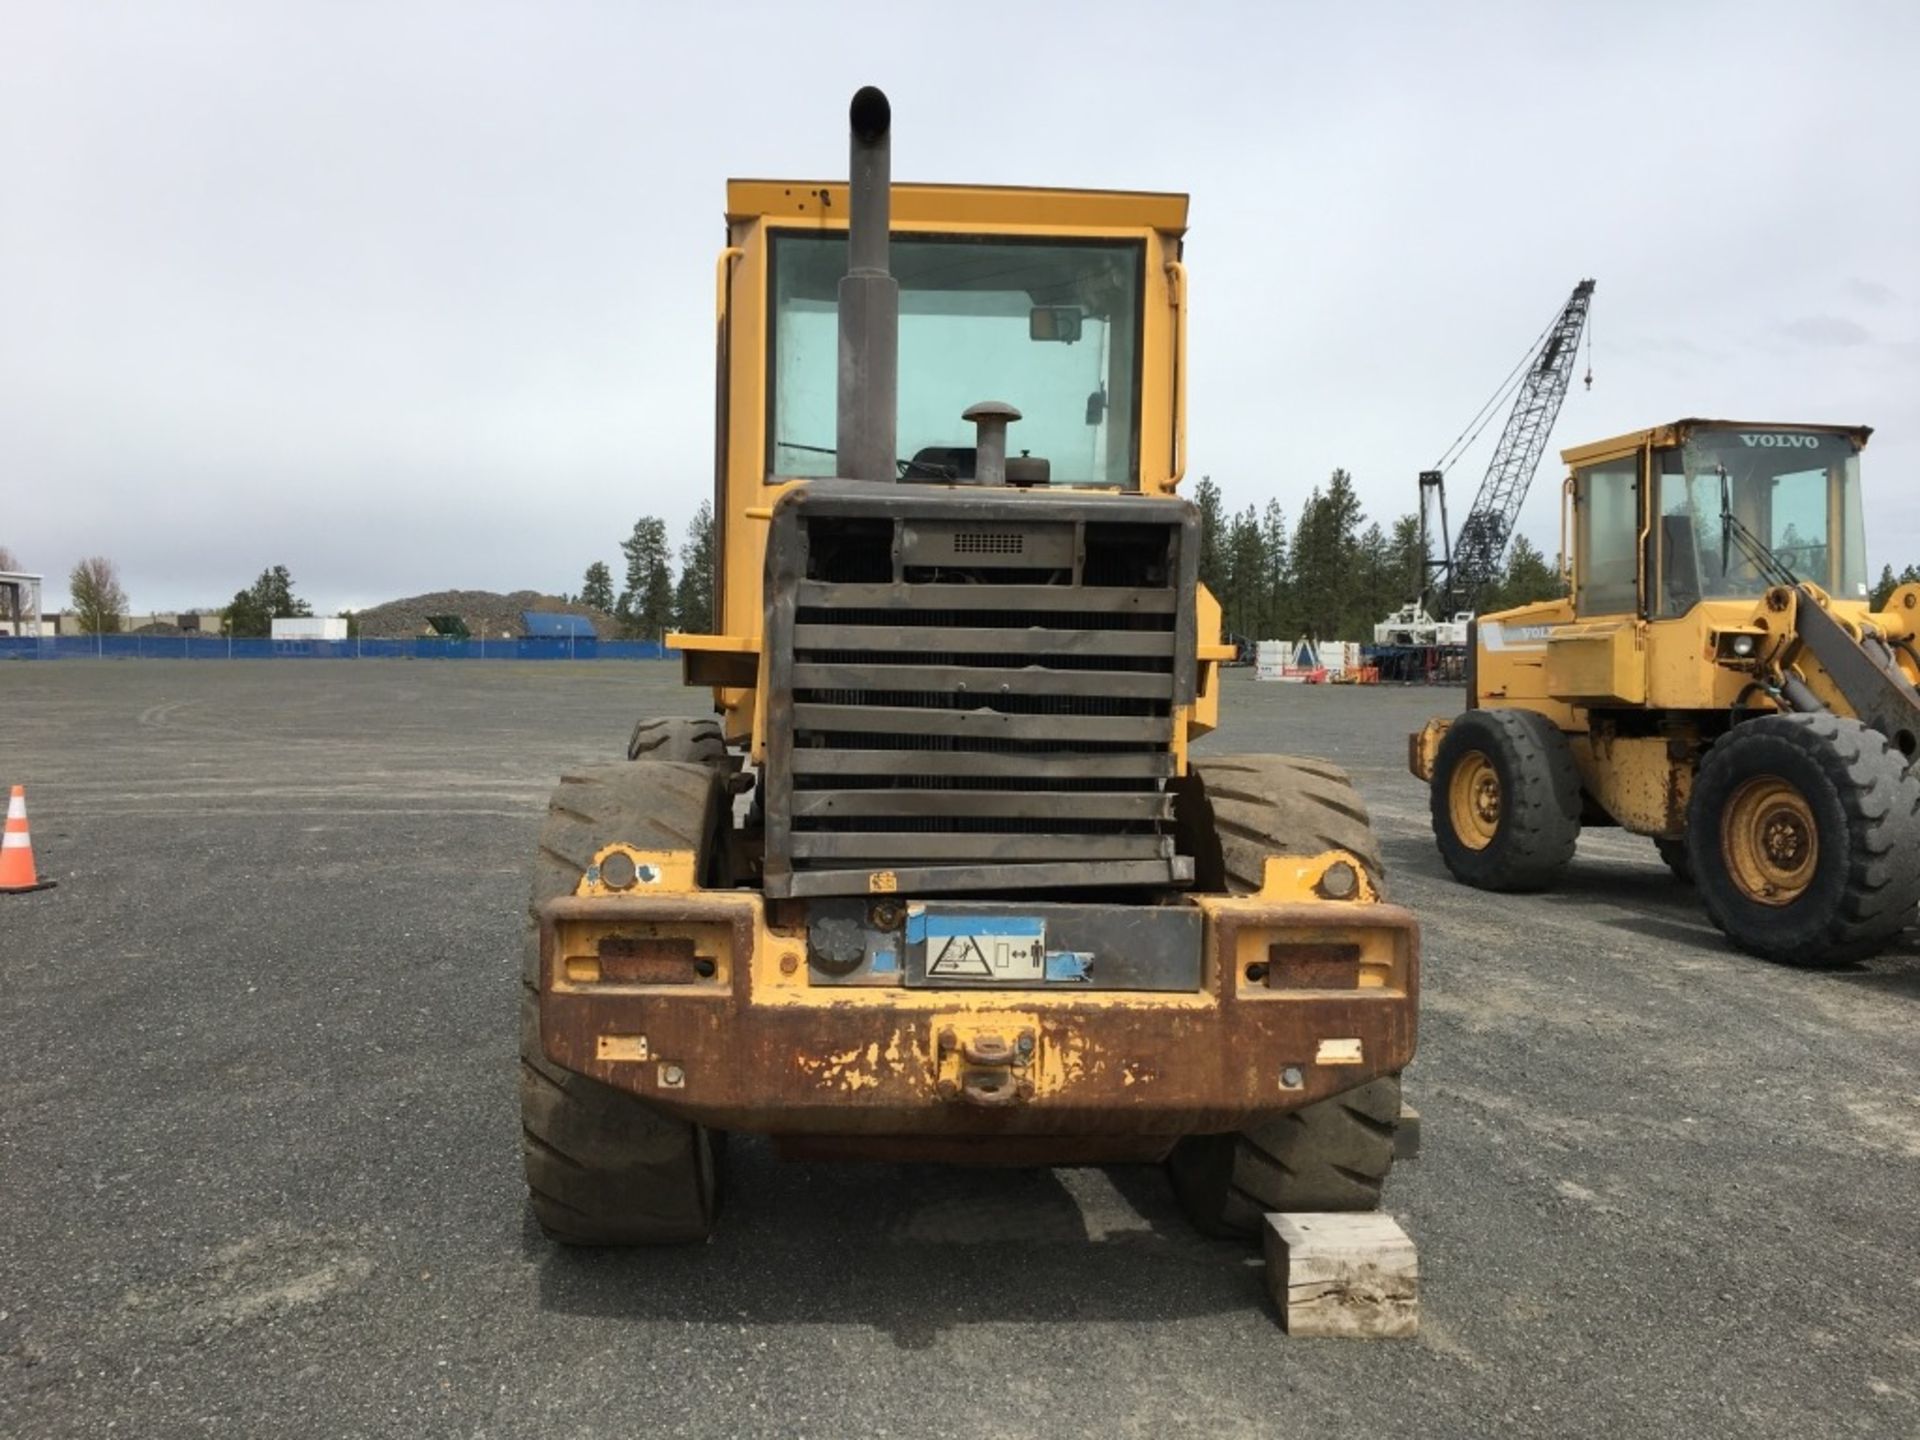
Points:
(1834, 330)
(1869, 292)
(420, 294)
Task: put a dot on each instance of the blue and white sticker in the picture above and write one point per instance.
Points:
(991, 948)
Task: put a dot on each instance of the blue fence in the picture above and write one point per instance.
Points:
(219, 647)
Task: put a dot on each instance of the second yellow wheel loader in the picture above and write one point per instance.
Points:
(1717, 681)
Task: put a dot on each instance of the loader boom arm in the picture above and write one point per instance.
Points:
(1865, 673)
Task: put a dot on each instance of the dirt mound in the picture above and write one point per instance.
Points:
(487, 613)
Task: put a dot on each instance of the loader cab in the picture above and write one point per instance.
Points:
(1070, 306)
(1701, 511)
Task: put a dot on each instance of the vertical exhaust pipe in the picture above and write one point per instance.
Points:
(869, 303)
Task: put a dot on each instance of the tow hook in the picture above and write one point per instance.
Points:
(983, 1067)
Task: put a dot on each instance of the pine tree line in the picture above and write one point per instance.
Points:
(1889, 582)
(1326, 576)
(654, 601)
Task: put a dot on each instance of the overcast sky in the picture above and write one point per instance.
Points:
(419, 296)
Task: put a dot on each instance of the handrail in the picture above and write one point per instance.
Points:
(722, 419)
(1566, 551)
(1177, 283)
(722, 269)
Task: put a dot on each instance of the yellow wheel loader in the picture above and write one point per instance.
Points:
(1717, 680)
(942, 880)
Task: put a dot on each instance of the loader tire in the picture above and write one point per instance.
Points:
(1674, 853)
(1505, 800)
(602, 1166)
(1333, 1155)
(692, 742)
(1236, 810)
(1804, 833)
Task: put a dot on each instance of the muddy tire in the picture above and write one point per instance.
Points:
(1674, 853)
(678, 740)
(1235, 810)
(602, 1167)
(1505, 800)
(1804, 834)
(1334, 1155)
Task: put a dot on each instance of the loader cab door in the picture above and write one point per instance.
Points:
(1600, 659)
(1606, 507)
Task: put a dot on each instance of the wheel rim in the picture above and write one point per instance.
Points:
(1473, 800)
(1770, 840)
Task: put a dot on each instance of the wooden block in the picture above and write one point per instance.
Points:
(1406, 1135)
(1346, 1274)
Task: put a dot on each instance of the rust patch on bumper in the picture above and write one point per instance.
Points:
(828, 1061)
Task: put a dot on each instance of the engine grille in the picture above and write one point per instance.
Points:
(976, 701)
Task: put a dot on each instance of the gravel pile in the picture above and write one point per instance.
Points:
(487, 613)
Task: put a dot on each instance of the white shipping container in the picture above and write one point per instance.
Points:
(311, 627)
(1340, 656)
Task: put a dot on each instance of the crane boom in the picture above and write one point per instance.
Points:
(1473, 561)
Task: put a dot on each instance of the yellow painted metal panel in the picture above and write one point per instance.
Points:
(968, 206)
(1600, 663)
(1675, 433)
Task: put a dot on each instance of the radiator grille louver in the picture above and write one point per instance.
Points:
(967, 727)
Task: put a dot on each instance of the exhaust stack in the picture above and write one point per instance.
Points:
(869, 303)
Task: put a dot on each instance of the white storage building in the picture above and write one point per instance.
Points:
(311, 627)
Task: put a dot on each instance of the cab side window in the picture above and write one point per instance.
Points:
(1607, 497)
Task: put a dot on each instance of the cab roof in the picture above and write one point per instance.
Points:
(1675, 433)
(825, 201)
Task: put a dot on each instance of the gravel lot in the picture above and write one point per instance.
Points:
(260, 1172)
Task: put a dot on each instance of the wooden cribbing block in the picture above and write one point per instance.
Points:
(1343, 1274)
(1406, 1135)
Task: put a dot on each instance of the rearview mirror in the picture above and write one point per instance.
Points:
(1054, 322)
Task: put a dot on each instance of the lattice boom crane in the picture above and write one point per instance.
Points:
(1463, 569)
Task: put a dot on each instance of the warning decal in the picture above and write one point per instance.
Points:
(960, 955)
(996, 949)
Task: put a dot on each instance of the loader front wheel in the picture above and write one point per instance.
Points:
(603, 1167)
(1333, 1155)
(1505, 800)
(1804, 836)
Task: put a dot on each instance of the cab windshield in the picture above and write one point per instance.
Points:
(1797, 492)
(1051, 328)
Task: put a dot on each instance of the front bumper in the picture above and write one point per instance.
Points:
(1299, 1000)
(1423, 748)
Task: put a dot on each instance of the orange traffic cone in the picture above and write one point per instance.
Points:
(17, 875)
